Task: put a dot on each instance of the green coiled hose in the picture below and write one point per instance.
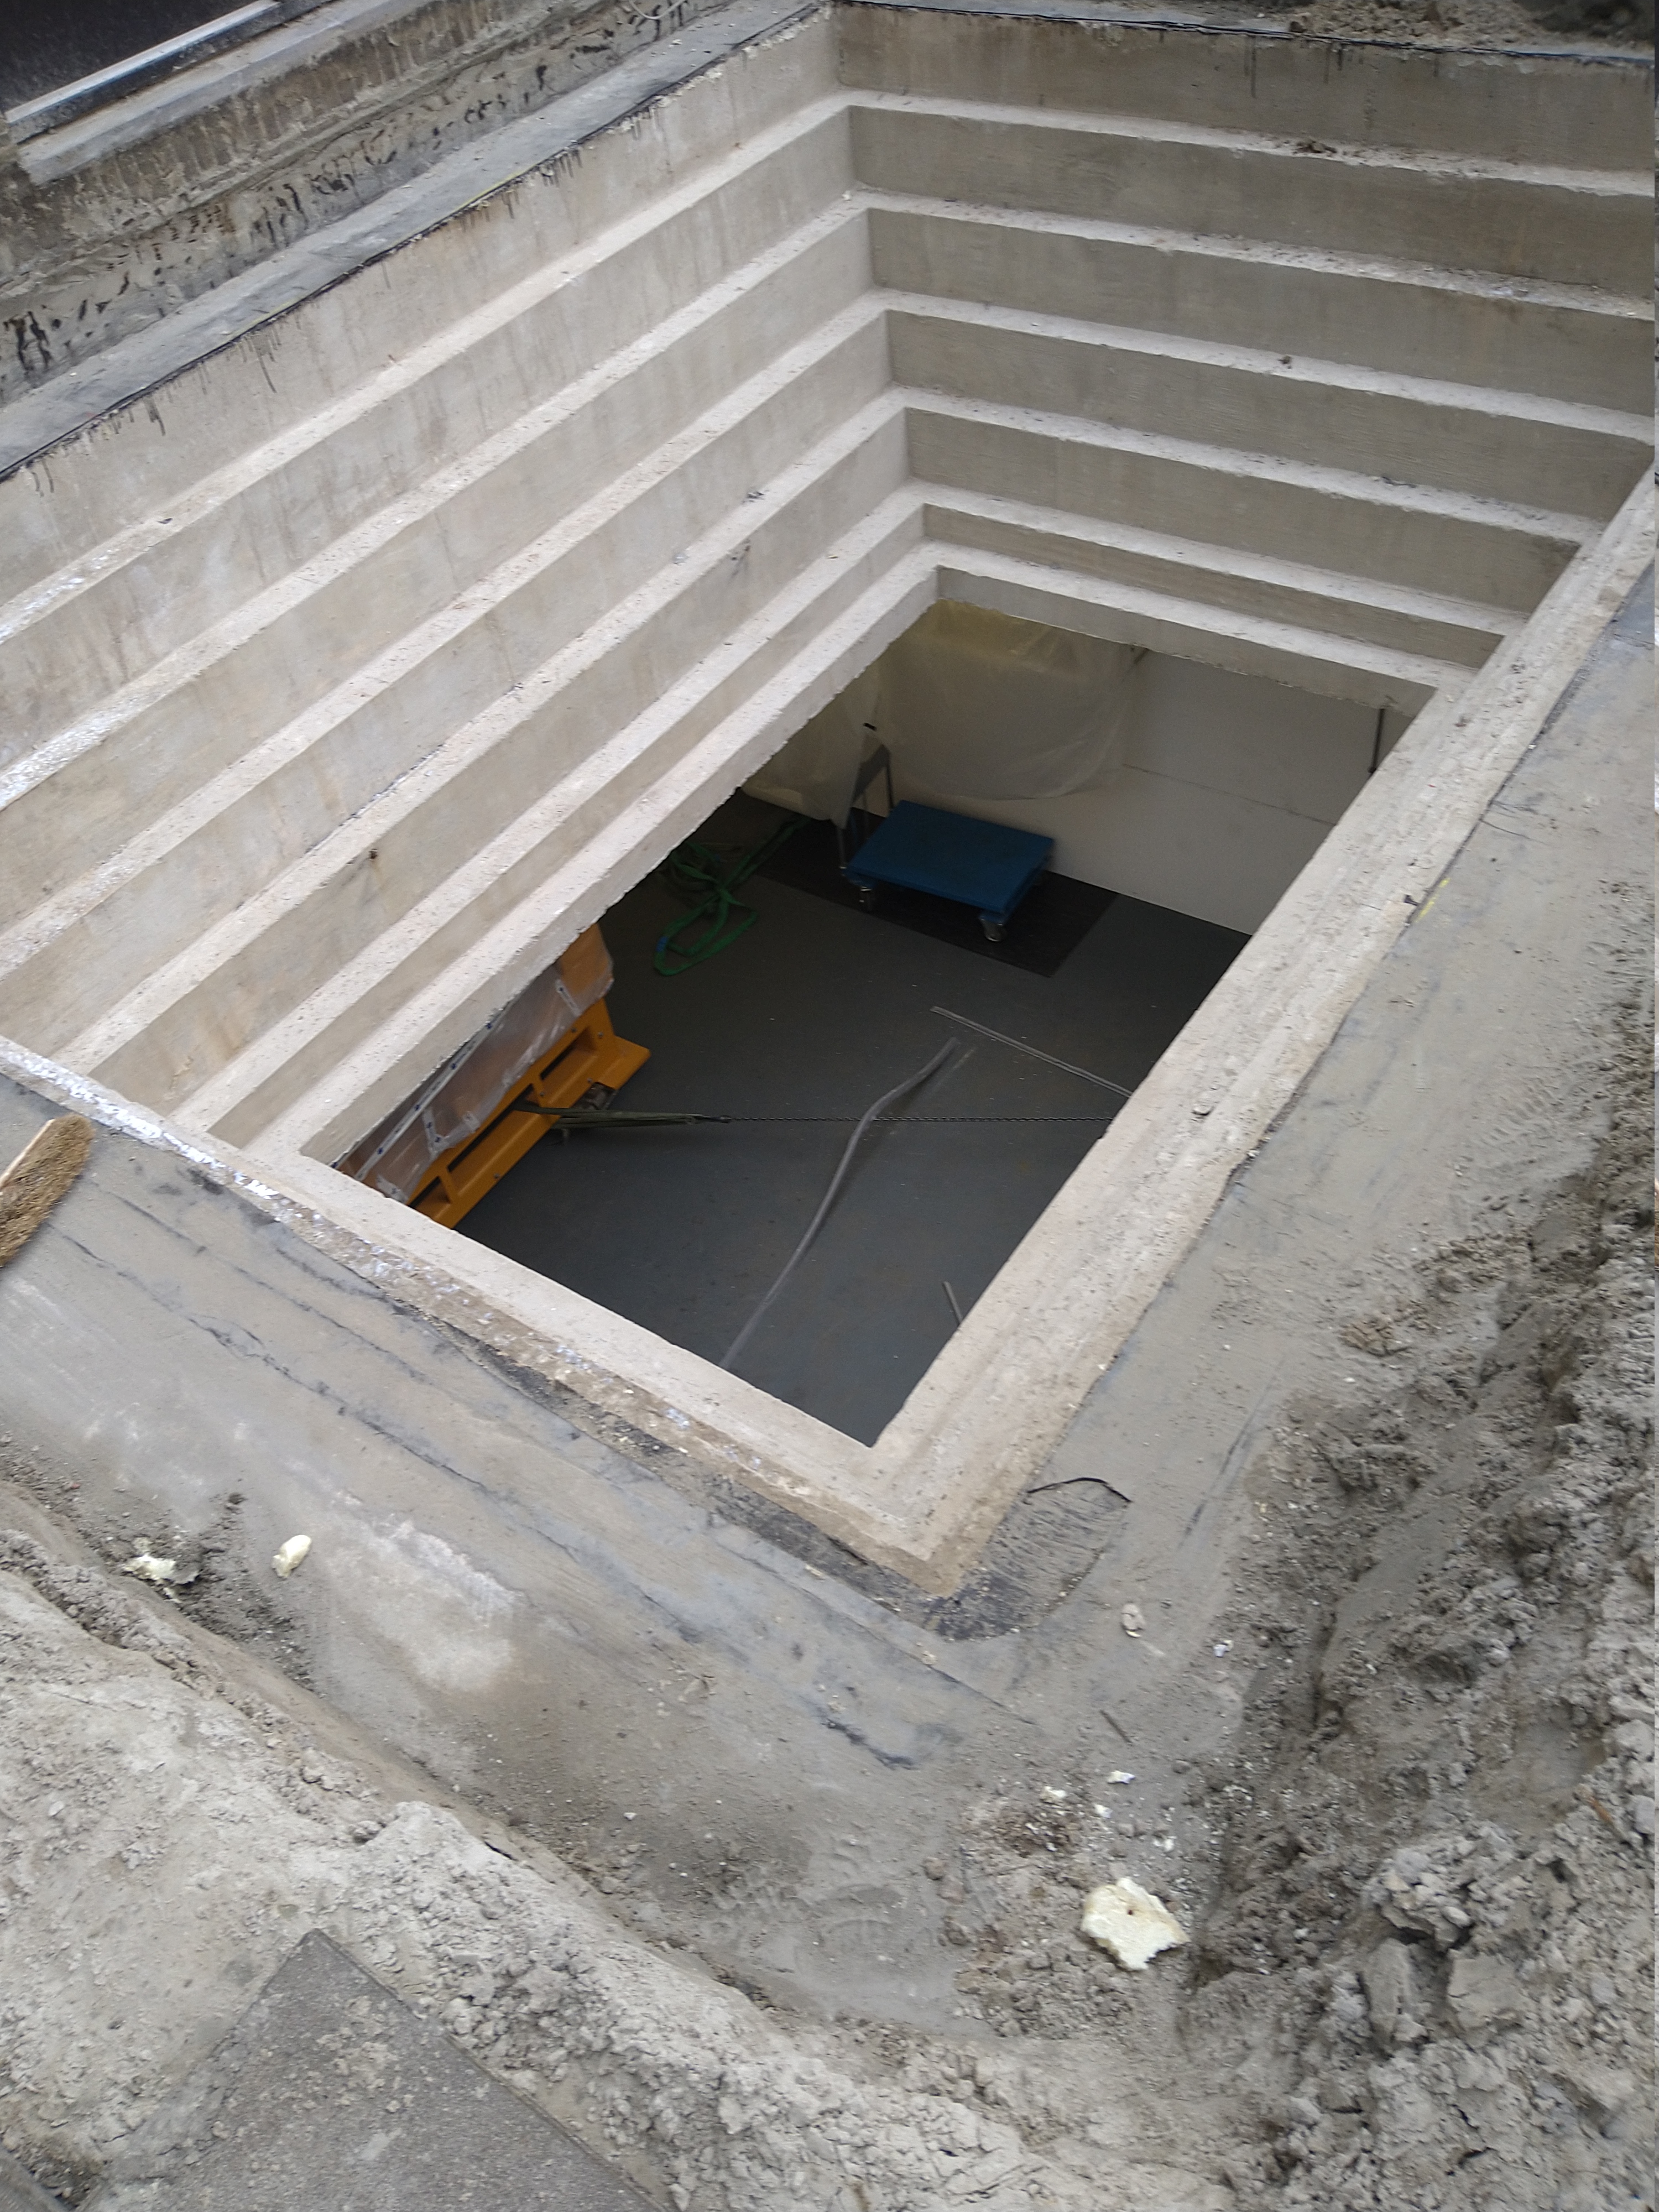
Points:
(710, 883)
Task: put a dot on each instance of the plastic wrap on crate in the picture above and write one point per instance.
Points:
(472, 1086)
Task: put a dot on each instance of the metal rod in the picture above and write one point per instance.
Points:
(604, 1117)
(1031, 1052)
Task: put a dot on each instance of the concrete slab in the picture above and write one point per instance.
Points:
(412, 2123)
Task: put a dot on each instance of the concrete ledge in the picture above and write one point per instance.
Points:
(61, 141)
(32, 425)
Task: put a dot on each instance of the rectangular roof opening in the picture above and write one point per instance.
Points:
(777, 1001)
(361, 666)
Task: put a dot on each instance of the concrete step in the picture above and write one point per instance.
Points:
(144, 953)
(227, 835)
(669, 211)
(345, 1082)
(1438, 542)
(1571, 225)
(1492, 444)
(177, 726)
(1554, 341)
(626, 696)
(1193, 629)
(1315, 662)
(338, 717)
(301, 489)
(279, 531)
(502, 918)
(1303, 595)
(161, 986)
(87, 970)
(452, 427)
(1259, 80)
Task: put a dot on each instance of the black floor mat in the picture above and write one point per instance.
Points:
(1051, 921)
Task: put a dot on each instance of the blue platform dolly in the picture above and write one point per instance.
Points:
(983, 865)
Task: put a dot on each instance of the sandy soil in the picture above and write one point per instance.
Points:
(1551, 25)
(172, 1831)
(1418, 1885)
(1436, 1846)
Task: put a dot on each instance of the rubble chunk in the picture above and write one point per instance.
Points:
(1130, 1923)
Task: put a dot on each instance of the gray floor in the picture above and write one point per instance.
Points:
(816, 1011)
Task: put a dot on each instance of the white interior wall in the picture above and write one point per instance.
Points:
(1226, 787)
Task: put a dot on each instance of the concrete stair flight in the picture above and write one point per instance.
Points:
(345, 691)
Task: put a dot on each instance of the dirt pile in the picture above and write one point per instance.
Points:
(1512, 26)
(1430, 1952)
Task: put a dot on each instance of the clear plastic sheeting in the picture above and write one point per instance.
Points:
(469, 1089)
(972, 705)
(815, 773)
(977, 705)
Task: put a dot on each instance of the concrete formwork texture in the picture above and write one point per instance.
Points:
(372, 622)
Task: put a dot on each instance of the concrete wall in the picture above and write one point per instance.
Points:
(358, 672)
(1225, 792)
(108, 222)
